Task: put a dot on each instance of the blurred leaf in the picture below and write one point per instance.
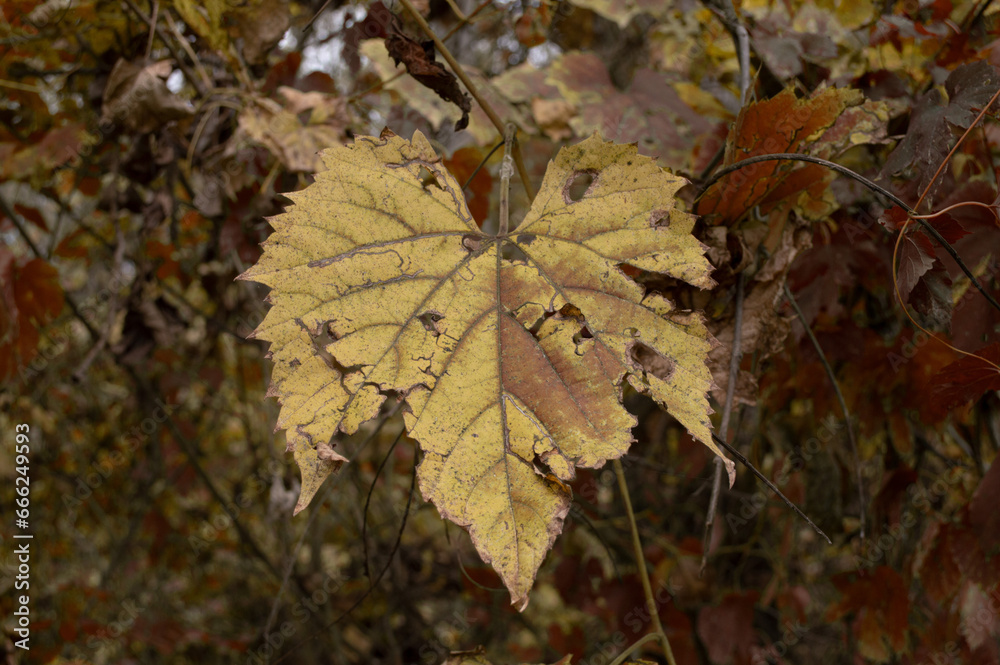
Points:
(137, 96)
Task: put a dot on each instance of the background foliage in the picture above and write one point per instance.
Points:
(136, 172)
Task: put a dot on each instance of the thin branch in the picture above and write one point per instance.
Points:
(635, 645)
(173, 50)
(506, 171)
(483, 104)
(152, 33)
(843, 170)
(482, 163)
(15, 219)
(468, 19)
(368, 500)
(727, 410)
(771, 486)
(315, 512)
(843, 406)
(640, 560)
(730, 17)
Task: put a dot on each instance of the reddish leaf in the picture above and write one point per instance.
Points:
(880, 604)
(30, 298)
(462, 164)
(934, 123)
(780, 124)
(32, 215)
(71, 246)
(968, 378)
(934, 565)
(894, 218)
(948, 227)
(983, 514)
(727, 630)
(44, 153)
(532, 26)
(914, 262)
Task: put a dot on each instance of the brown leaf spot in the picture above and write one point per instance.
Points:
(659, 219)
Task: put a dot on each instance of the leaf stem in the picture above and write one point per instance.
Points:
(640, 560)
(483, 104)
(843, 170)
(840, 399)
(506, 171)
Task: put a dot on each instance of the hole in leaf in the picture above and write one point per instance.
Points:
(578, 185)
(427, 178)
(526, 239)
(514, 253)
(652, 361)
(472, 243)
(429, 320)
(582, 335)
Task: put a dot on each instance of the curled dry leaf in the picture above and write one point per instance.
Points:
(421, 65)
(511, 350)
(137, 96)
(281, 131)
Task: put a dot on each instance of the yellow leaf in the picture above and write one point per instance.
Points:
(205, 18)
(511, 351)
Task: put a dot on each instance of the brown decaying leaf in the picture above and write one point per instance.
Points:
(137, 96)
(967, 379)
(780, 124)
(421, 65)
(879, 601)
(262, 25)
(30, 298)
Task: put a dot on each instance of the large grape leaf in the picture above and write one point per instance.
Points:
(510, 350)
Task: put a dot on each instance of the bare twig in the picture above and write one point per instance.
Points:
(727, 13)
(169, 44)
(152, 33)
(368, 500)
(727, 410)
(205, 78)
(843, 405)
(771, 486)
(640, 559)
(506, 171)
